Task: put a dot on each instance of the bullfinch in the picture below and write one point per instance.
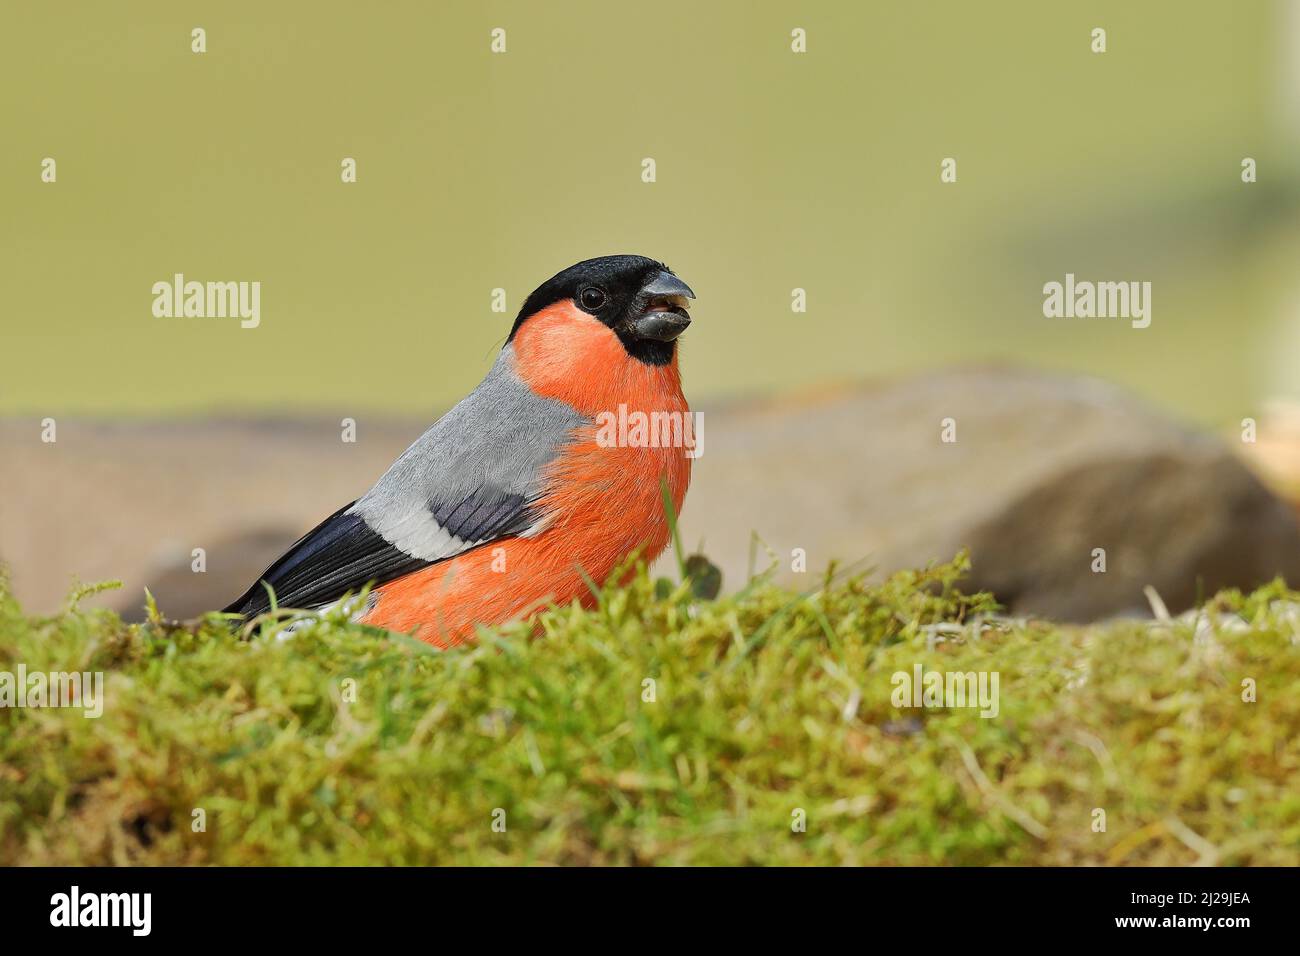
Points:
(513, 498)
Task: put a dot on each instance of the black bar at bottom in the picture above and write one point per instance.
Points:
(333, 906)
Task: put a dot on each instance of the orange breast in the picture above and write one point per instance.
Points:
(603, 501)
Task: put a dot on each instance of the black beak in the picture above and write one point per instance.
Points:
(661, 308)
(665, 283)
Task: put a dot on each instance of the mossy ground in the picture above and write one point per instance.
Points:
(765, 703)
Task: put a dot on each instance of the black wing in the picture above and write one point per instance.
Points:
(343, 553)
(340, 554)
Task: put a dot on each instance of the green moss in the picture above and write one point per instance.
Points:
(765, 703)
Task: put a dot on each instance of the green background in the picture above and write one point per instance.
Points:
(775, 170)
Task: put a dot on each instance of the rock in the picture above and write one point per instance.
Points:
(1187, 525)
(131, 500)
(1275, 452)
(1044, 470)
(233, 562)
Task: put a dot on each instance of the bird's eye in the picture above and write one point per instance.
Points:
(591, 298)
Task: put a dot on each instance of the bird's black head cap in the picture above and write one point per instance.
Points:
(640, 299)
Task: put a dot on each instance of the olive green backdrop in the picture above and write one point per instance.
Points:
(775, 170)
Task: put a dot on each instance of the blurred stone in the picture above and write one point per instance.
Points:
(1275, 452)
(232, 563)
(131, 500)
(1188, 524)
(1044, 470)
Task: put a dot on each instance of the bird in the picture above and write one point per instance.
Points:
(513, 500)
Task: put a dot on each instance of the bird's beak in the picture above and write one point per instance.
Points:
(660, 312)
